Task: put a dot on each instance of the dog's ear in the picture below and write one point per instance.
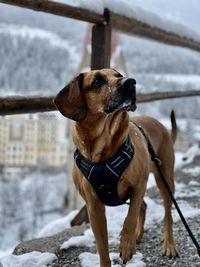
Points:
(70, 100)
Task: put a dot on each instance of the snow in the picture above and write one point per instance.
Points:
(58, 225)
(183, 191)
(195, 171)
(33, 259)
(134, 11)
(188, 157)
(78, 241)
(90, 260)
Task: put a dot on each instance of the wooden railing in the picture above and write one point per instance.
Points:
(20, 105)
(116, 21)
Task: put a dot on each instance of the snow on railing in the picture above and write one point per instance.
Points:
(121, 16)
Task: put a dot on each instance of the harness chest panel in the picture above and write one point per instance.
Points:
(104, 176)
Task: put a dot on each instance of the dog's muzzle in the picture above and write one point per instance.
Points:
(124, 99)
(129, 94)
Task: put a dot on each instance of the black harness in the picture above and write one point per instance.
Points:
(104, 176)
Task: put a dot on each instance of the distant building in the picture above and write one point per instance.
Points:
(32, 140)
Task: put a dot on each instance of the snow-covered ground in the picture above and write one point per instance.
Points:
(154, 214)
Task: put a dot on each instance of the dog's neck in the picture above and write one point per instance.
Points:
(99, 138)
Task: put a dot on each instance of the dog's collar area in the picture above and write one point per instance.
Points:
(104, 176)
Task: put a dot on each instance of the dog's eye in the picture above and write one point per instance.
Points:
(118, 75)
(98, 82)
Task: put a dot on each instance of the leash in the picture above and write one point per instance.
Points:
(162, 175)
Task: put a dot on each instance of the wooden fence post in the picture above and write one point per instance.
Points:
(101, 46)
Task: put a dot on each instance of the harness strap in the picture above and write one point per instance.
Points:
(104, 176)
(163, 177)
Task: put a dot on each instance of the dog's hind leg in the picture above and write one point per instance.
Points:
(167, 158)
(140, 222)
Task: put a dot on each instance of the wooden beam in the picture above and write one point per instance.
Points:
(20, 105)
(141, 29)
(101, 46)
(117, 21)
(157, 96)
(59, 9)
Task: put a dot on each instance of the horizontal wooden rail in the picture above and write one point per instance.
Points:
(117, 21)
(141, 29)
(57, 8)
(20, 105)
(156, 96)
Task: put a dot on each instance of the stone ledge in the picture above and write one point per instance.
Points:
(50, 243)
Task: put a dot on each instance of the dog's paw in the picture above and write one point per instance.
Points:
(170, 250)
(127, 249)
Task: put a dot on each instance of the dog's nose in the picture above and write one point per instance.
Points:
(128, 83)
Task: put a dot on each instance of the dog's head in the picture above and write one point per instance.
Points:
(102, 91)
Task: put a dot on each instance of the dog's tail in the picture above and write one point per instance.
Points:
(174, 130)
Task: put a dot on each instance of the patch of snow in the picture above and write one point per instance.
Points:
(90, 260)
(195, 171)
(194, 183)
(5, 253)
(182, 159)
(32, 259)
(192, 152)
(179, 160)
(151, 181)
(185, 191)
(154, 213)
(187, 210)
(58, 225)
(78, 241)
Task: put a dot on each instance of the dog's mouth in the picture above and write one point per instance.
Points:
(126, 105)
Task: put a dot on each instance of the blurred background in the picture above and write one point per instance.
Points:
(39, 54)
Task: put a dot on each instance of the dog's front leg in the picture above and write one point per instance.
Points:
(96, 212)
(128, 233)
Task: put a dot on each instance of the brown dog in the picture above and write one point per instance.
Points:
(98, 101)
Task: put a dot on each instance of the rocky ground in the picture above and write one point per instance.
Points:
(151, 245)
